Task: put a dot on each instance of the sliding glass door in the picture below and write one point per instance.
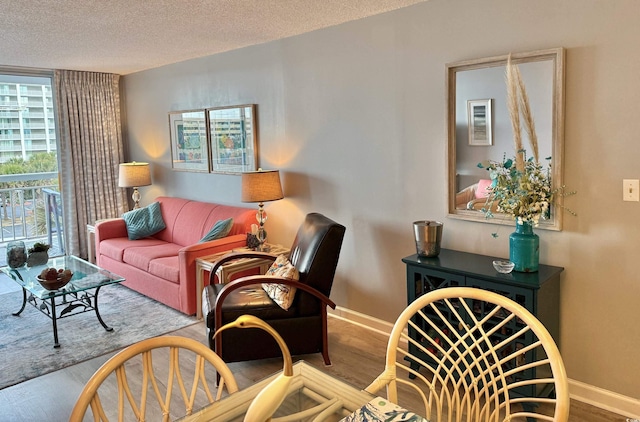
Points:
(30, 205)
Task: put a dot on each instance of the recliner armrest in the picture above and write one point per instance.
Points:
(258, 279)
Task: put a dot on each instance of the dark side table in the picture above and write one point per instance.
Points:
(538, 292)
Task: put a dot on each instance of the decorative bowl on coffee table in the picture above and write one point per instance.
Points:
(56, 284)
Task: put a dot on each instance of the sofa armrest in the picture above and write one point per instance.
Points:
(110, 229)
(215, 246)
(187, 262)
(465, 195)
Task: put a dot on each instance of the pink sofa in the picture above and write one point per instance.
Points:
(163, 266)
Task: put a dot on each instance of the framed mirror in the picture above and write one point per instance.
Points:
(233, 138)
(188, 135)
(479, 87)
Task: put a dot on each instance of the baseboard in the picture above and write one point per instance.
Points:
(604, 399)
(586, 393)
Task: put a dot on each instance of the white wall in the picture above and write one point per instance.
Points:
(354, 116)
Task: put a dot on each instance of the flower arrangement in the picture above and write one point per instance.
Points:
(520, 187)
(524, 194)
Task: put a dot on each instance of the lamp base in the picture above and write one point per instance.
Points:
(262, 233)
(136, 198)
(263, 247)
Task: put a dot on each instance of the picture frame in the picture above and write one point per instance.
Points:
(233, 138)
(480, 119)
(188, 137)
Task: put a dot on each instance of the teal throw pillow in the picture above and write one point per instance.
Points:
(219, 230)
(144, 222)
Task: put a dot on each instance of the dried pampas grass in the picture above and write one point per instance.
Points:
(514, 112)
(518, 104)
(529, 124)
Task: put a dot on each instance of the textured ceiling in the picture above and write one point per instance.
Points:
(126, 36)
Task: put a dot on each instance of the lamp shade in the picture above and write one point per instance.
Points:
(134, 175)
(261, 186)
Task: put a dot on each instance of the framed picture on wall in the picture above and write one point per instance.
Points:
(480, 120)
(233, 138)
(188, 134)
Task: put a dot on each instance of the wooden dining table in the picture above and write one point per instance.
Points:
(313, 395)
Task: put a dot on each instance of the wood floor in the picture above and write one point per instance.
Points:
(357, 356)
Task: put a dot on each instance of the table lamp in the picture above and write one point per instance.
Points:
(134, 175)
(261, 186)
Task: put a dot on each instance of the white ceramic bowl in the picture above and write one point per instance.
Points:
(504, 267)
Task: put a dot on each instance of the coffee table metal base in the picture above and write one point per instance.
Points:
(70, 304)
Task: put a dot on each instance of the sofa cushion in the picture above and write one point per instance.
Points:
(219, 230)
(481, 189)
(166, 268)
(144, 222)
(281, 293)
(188, 221)
(242, 218)
(141, 257)
(114, 248)
(171, 208)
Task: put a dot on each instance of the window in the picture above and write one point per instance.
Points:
(28, 158)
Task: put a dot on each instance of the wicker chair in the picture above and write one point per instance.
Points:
(132, 370)
(467, 354)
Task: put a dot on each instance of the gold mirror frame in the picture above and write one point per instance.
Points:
(556, 130)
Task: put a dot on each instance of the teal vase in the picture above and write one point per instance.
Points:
(524, 246)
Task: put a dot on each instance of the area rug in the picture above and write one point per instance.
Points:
(26, 341)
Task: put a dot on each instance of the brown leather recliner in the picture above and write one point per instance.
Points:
(303, 326)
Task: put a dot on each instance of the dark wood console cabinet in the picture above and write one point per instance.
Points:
(538, 292)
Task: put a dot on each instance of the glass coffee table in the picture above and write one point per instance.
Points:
(312, 395)
(78, 296)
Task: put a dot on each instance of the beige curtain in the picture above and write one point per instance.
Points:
(90, 150)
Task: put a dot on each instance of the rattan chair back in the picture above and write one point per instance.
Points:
(146, 391)
(474, 355)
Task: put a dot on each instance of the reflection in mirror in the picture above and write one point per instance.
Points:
(233, 139)
(470, 84)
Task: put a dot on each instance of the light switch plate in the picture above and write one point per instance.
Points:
(630, 190)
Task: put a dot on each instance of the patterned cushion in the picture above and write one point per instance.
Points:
(144, 222)
(281, 294)
(219, 230)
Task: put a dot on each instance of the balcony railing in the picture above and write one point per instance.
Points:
(23, 210)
